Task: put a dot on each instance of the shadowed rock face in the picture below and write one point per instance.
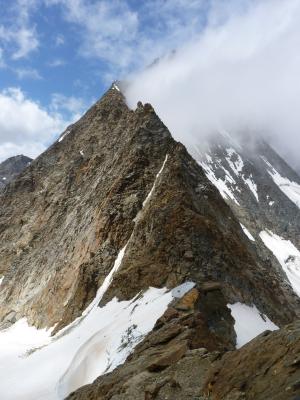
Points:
(11, 168)
(64, 220)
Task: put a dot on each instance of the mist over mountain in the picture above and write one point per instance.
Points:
(241, 76)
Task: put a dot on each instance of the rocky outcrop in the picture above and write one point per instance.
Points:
(11, 168)
(265, 368)
(65, 218)
(187, 232)
(175, 356)
(63, 221)
(116, 180)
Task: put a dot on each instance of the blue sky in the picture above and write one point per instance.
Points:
(58, 56)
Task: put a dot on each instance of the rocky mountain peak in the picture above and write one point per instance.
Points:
(134, 255)
(12, 167)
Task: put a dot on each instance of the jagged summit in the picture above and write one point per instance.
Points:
(125, 246)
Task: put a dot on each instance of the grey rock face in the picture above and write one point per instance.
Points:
(65, 218)
(11, 168)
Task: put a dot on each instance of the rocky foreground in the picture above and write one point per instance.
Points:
(173, 366)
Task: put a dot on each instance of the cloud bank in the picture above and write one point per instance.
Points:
(241, 73)
(25, 127)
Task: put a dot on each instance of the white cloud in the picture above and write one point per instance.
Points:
(26, 41)
(107, 27)
(25, 127)
(27, 73)
(241, 72)
(18, 35)
(128, 38)
(30, 149)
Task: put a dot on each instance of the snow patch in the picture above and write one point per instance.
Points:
(124, 325)
(287, 255)
(181, 290)
(237, 165)
(219, 183)
(154, 184)
(116, 87)
(1, 280)
(249, 323)
(64, 135)
(35, 366)
(289, 188)
(247, 233)
(252, 186)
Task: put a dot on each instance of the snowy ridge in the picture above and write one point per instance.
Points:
(249, 323)
(287, 255)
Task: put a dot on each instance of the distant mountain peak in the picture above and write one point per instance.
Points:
(12, 167)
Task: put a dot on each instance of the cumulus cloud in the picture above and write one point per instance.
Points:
(25, 127)
(17, 34)
(240, 73)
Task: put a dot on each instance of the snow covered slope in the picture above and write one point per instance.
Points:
(249, 323)
(262, 190)
(34, 365)
(287, 255)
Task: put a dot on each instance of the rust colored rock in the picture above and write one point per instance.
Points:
(188, 301)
